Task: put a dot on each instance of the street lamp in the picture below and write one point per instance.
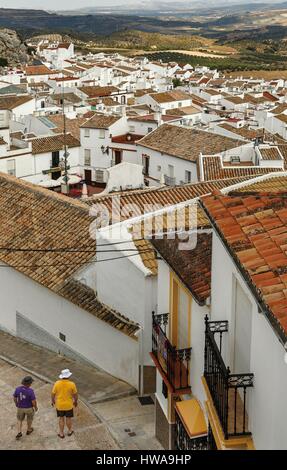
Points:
(64, 167)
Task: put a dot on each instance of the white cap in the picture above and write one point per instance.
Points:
(65, 374)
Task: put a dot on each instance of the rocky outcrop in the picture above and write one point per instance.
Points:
(12, 48)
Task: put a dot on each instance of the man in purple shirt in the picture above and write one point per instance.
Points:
(25, 401)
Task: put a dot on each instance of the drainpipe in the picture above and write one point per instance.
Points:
(141, 361)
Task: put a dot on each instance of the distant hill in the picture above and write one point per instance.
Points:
(12, 49)
(223, 25)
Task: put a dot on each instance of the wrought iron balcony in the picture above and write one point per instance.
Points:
(169, 180)
(174, 363)
(229, 392)
(184, 442)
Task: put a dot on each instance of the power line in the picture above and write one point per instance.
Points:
(73, 249)
(73, 264)
(39, 250)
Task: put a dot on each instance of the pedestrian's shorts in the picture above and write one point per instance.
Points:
(23, 412)
(67, 413)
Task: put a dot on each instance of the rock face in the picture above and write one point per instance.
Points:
(12, 48)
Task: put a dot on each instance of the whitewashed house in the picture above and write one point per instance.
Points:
(219, 300)
(39, 73)
(248, 299)
(54, 304)
(96, 135)
(170, 153)
(166, 100)
(39, 158)
(57, 53)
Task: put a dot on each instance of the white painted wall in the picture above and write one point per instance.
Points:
(124, 176)
(159, 165)
(141, 127)
(94, 143)
(161, 399)
(197, 354)
(101, 344)
(25, 108)
(267, 411)
(124, 287)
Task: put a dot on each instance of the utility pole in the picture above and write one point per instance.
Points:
(64, 166)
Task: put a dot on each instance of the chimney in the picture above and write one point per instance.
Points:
(158, 117)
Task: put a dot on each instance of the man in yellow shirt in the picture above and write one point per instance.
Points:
(65, 397)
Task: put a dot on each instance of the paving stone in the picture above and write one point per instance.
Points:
(89, 434)
(100, 438)
(102, 433)
(92, 383)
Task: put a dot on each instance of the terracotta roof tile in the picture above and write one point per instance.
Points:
(97, 91)
(39, 70)
(33, 218)
(100, 121)
(193, 267)
(261, 252)
(53, 143)
(11, 102)
(214, 169)
(187, 143)
(169, 96)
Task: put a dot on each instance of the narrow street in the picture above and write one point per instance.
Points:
(109, 415)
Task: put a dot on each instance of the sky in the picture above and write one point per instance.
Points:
(74, 4)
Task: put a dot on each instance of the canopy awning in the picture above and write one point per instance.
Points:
(72, 179)
(49, 183)
(192, 417)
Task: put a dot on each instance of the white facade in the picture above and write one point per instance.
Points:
(163, 107)
(34, 167)
(91, 338)
(161, 165)
(95, 151)
(266, 406)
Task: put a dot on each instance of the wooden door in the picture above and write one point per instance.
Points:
(88, 176)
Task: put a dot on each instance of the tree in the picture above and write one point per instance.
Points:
(176, 82)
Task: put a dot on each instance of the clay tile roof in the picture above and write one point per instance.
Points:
(168, 96)
(249, 134)
(212, 92)
(68, 97)
(254, 228)
(39, 70)
(233, 99)
(279, 109)
(271, 183)
(282, 117)
(34, 218)
(213, 169)
(184, 111)
(143, 200)
(72, 125)
(193, 267)
(126, 138)
(100, 121)
(11, 102)
(96, 91)
(271, 153)
(53, 143)
(187, 143)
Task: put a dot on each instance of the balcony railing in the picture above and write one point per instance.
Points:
(169, 180)
(173, 362)
(184, 442)
(229, 391)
